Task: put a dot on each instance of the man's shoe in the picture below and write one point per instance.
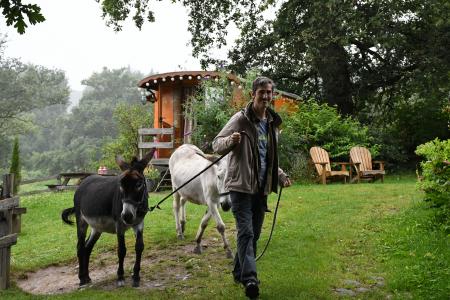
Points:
(252, 289)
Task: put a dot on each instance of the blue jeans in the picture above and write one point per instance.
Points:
(248, 211)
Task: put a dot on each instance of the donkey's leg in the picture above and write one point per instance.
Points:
(220, 225)
(176, 213)
(93, 238)
(121, 252)
(200, 231)
(183, 214)
(138, 247)
(83, 274)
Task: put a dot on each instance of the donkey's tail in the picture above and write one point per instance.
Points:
(66, 213)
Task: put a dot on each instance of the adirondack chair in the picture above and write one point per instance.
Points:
(362, 161)
(321, 160)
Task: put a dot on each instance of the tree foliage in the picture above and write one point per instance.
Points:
(73, 141)
(340, 51)
(129, 118)
(24, 88)
(15, 12)
(319, 125)
(436, 177)
(209, 109)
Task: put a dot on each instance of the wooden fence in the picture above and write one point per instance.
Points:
(10, 226)
(34, 180)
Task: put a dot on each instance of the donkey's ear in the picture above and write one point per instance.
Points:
(147, 157)
(122, 164)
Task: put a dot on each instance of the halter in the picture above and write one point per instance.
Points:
(140, 203)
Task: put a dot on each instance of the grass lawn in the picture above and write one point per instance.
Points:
(372, 240)
(36, 186)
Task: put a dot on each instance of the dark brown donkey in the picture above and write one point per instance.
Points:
(111, 204)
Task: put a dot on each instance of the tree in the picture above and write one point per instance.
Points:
(385, 62)
(15, 11)
(24, 88)
(77, 142)
(345, 52)
(16, 165)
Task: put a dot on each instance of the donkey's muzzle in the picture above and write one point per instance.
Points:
(127, 218)
(226, 205)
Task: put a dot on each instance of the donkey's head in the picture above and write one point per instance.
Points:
(222, 168)
(133, 189)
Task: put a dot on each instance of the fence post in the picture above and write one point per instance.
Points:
(8, 237)
(8, 186)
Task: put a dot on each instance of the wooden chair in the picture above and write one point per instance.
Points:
(321, 160)
(362, 160)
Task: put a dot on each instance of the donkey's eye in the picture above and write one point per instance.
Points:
(139, 185)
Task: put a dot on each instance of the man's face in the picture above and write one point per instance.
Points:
(262, 96)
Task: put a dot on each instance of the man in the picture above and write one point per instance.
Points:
(253, 173)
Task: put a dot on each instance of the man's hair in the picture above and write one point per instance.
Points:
(262, 81)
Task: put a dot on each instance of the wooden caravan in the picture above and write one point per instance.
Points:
(321, 161)
(362, 161)
(169, 92)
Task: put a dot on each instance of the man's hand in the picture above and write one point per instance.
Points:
(236, 138)
(287, 182)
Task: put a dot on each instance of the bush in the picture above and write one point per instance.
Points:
(210, 109)
(16, 166)
(312, 125)
(129, 119)
(436, 176)
(319, 125)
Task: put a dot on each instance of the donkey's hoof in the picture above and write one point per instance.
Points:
(84, 286)
(120, 283)
(85, 283)
(230, 254)
(180, 237)
(136, 283)
(198, 249)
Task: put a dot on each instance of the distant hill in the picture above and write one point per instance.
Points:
(74, 98)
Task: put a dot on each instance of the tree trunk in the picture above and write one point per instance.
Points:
(332, 66)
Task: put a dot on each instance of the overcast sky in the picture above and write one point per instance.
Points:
(74, 38)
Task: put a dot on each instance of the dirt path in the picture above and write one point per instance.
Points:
(159, 268)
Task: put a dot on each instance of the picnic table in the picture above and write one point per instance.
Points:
(64, 178)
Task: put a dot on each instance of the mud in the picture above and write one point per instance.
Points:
(160, 268)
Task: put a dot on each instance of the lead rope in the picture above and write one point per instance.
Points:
(184, 184)
(274, 214)
(216, 161)
(273, 225)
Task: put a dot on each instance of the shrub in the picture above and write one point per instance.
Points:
(129, 119)
(211, 107)
(16, 166)
(312, 125)
(436, 176)
(319, 125)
